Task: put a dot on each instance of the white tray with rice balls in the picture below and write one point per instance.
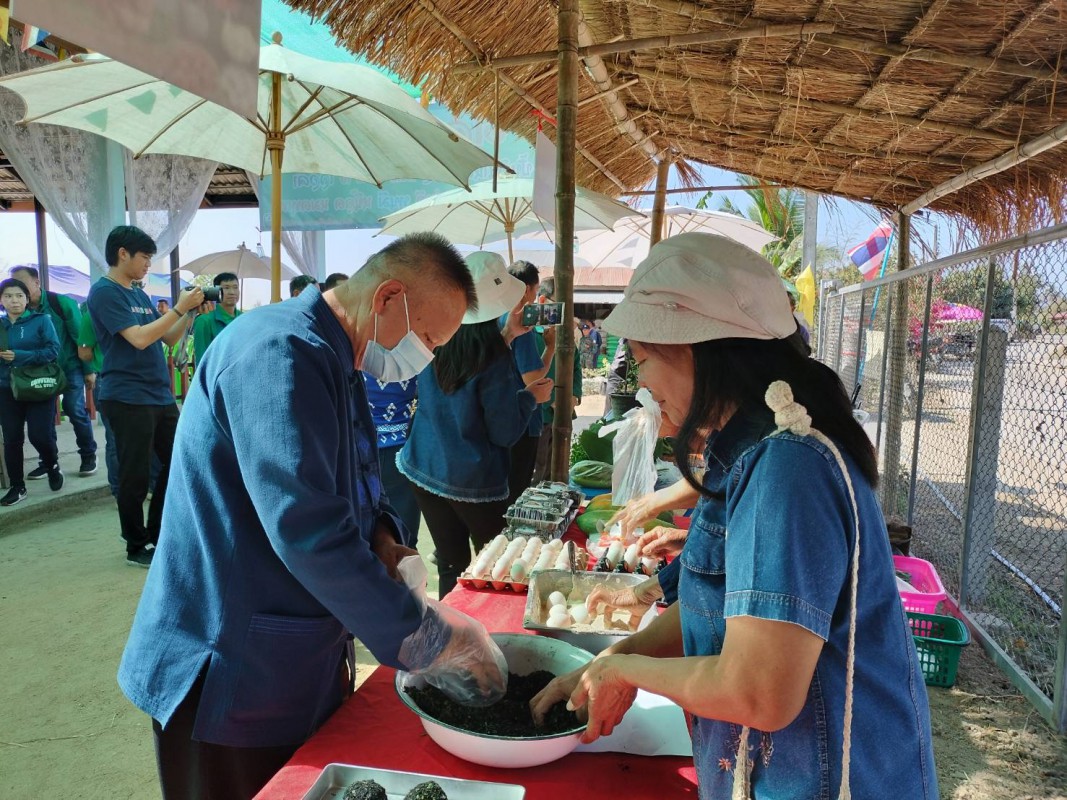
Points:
(348, 782)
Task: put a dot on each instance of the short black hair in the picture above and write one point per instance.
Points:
(548, 288)
(130, 237)
(428, 253)
(33, 271)
(14, 283)
(224, 276)
(525, 272)
(332, 280)
(300, 283)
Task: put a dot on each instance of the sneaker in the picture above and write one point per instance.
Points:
(55, 478)
(38, 474)
(142, 558)
(88, 466)
(16, 494)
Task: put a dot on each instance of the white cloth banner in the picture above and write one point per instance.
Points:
(207, 47)
(544, 193)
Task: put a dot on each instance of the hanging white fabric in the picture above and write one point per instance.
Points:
(65, 169)
(163, 194)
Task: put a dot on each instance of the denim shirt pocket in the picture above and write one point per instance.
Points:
(308, 652)
(702, 588)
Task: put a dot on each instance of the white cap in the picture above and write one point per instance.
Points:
(498, 292)
(695, 287)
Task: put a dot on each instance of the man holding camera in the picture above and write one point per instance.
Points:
(136, 393)
(226, 292)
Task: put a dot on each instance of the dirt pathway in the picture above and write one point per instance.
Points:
(67, 598)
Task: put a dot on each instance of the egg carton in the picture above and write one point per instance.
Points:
(510, 579)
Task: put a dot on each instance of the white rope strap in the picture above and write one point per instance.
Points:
(793, 417)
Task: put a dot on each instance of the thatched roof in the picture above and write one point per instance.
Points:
(897, 97)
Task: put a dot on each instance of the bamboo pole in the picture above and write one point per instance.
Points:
(1013, 157)
(276, 145)
(705, 189)
(654, 43)
(566, 119)
(660, 202)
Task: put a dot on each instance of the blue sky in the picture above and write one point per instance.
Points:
(841, 223)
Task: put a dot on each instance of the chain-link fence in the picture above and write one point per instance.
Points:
(960, 369)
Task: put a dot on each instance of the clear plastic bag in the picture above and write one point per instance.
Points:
(469, 667)
(634, 449)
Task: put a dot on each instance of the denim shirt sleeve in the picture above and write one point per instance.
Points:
(787, 534)
(285, 435)
(506, 405)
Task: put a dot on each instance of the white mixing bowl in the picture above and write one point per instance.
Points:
(524, 654)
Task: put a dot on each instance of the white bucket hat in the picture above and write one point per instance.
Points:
(498, 292)
(695, 287)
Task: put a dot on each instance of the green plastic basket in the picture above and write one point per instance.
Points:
(939, 640)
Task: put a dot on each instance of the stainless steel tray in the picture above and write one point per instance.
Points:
(335, 778)
(542, 584)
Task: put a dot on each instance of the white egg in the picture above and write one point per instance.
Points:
(614, 554)
(631, 557)
(558, 622)
(519, 570)
(558, 599)
(558, 610)
(580, 614)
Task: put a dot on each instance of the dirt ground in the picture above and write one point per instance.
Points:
(67, 598)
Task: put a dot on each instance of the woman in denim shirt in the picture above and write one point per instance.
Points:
(789, 645)
(473, 408)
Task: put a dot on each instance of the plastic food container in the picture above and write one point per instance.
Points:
(928, 589)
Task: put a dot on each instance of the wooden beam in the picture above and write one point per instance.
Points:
(513, 85)
(998, 65)
(593, 98)
(652, 43)
(773, 99)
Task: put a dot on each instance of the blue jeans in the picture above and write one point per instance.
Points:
(111, 454)
(74, 409)
(17, 417)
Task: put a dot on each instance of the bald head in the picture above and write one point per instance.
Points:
(422, 261)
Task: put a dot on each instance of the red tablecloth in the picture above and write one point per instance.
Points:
(374, 729)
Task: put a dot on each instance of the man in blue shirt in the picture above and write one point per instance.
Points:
(533, 365)
(136, 391)
(278, 544)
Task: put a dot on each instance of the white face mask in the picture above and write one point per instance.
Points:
(406, 360)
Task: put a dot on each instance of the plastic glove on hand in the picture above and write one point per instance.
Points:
(460, 657)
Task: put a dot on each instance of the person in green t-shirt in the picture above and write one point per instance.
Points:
(208, 326)
(93, 360)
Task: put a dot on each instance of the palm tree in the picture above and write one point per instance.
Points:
(779, 211)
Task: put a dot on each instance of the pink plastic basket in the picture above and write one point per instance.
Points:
(922, 575)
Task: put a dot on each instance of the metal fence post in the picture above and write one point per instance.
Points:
(860, 360)
(923, 361)
(983, 452)
(897, 367)
(881, 380)
(1059, 688)
(840, 335)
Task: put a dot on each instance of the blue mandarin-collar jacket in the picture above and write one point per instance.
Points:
(264, 566)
